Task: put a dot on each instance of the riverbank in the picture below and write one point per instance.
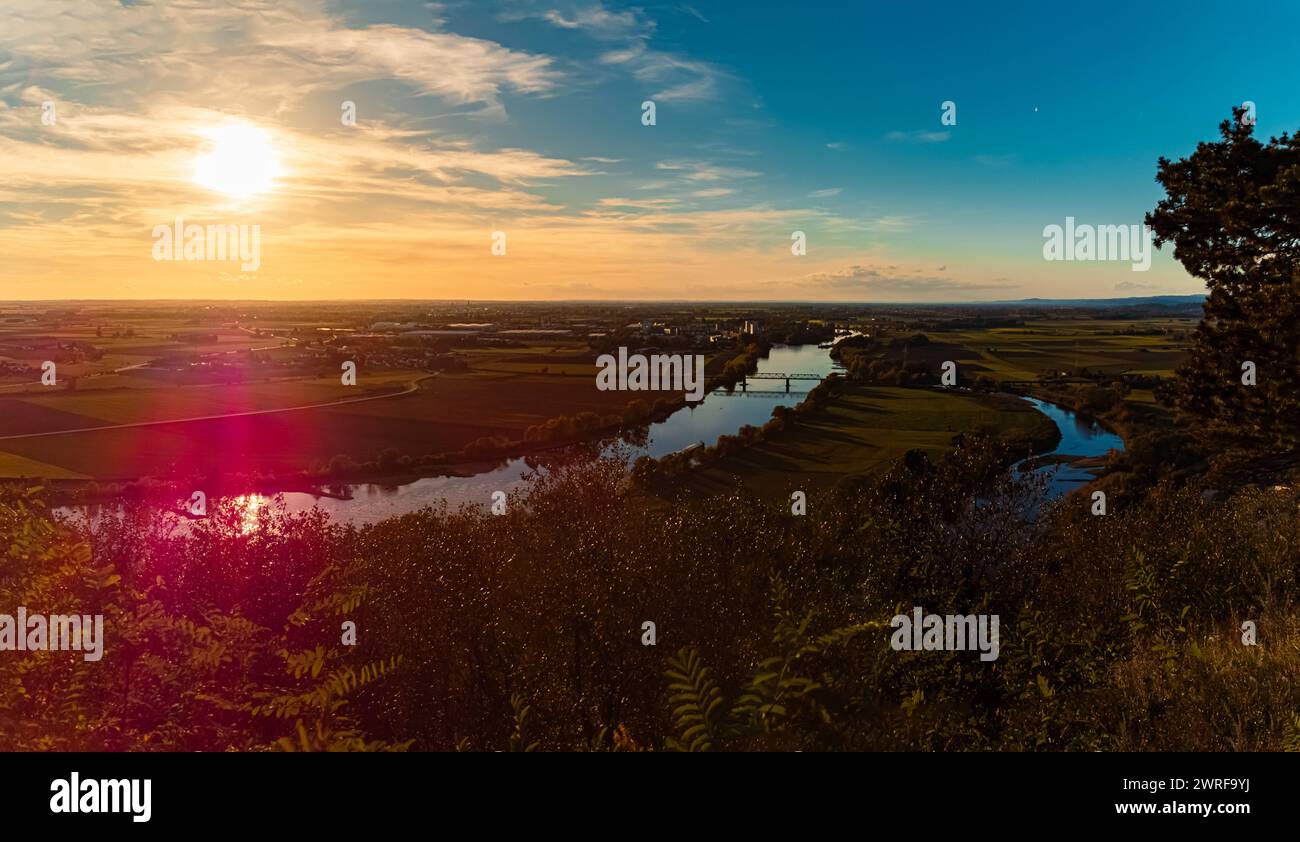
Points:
(73, 492)
(834, 433)
(484, 458)
(1081, 453)
(865, 429)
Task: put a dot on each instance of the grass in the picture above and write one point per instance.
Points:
(862, 432)
(447, 413)
(12, 465)
(1023, 353)
(506, 391)
(127, 405)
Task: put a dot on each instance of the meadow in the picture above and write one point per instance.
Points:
(445, 413)
(271, 374)
(1042, 347)
(863, 432)
(137, 393)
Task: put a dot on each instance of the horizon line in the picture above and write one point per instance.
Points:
(700, 301)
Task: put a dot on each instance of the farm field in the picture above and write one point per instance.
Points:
(864, 431)
(562, 360)
(166, 366)
(156, 365)
(445, 414)
(565, 360)
(35, 411)
(1150, 346)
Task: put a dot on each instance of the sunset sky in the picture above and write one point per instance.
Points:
(525, 117)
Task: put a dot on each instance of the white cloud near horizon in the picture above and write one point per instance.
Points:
(894, 281)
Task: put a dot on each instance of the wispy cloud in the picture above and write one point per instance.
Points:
(676, 77)
(401, 204)
(996, 160)
(451, 66)
(705, 171)
(596, 19)
(918, 136)
(592, 18)
(642, 204)
(894, 222)
(139, 89)
(894, 282)
(680, 78)
(693, 12)
(273, 54)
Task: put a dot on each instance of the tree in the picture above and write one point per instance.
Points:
(636, 412)
(1232, 213)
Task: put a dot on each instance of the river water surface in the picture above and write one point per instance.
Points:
(722, 412)
(1079, 437)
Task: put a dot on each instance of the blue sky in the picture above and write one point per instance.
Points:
(524, 117)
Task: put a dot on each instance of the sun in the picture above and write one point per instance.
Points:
(240, 161)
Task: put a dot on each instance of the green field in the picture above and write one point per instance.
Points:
(445, 414)
(493, 390)
(36, 411)
(280, 409)
(862, 432)
(1057, 345)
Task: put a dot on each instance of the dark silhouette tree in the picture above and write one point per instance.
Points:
(1232, 213)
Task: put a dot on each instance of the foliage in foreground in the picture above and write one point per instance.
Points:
(524, 631)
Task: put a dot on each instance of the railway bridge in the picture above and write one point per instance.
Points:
(777, 375)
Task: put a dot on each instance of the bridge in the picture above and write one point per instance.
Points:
(776, 375)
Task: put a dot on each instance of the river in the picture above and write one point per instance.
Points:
(1081, 437)
(722, 412)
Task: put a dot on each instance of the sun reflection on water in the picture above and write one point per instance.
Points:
(248, 505)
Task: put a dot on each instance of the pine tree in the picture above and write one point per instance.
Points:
(1232, 213)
